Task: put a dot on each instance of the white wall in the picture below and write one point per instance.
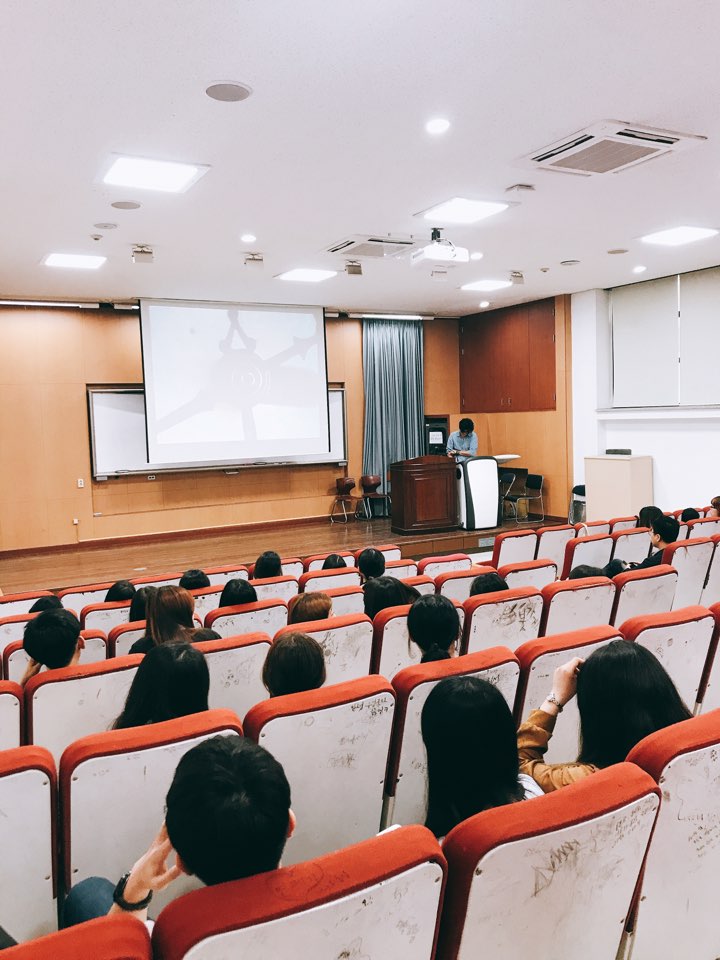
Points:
(683, 442)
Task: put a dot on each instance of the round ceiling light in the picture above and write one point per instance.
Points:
(126, 205)
(616, 251)
(105, 226)
(569, 263)
(228, 91)
(437, 126)
(248, 238)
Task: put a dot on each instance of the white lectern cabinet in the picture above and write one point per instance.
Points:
(617, 486)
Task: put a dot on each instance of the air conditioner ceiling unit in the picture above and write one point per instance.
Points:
(377, 247)
(609, 146)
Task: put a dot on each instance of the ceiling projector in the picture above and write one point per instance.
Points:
(440, 250)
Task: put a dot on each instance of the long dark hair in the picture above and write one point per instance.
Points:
(434, 625)
(470, 738)
(171, 681)
(624, 693)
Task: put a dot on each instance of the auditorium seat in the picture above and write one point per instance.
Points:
(401, 568)
(63, 705)
(264, 616)
(514, 547)
(530, 573)
(318, 580)
(594, 551)
(11, 715)
(503, 619)
(591, 528)
(639, 592)
(704, 527)
(377, 899)
(121, 638)
(104, 616)
(551, 542)
(423, 584)
(316, 561)
(691, 559)
(18, 604)
(632, 546)
(107, 938)
(680, 640)
(276, 588)
(550, 877)
(711, 590)
(346, 600)
(291, 566)
(346, 641)
(676, 910)
(171, 579)
(206, 599)
(112, 794)
(574, 604)
(15, 660)
(333, 744)
(456, 583)
(235, 665)
(13, 628)
(219, 576)
(683, 530)
(405, 800)
(432, 566)
(538, 661)
(622, 523)
(391, 552)
(75, 598)
(392, 647)
(28, 866)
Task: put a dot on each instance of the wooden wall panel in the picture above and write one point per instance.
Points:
(442, 365)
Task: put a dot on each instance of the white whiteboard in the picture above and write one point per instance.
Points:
(117, 435)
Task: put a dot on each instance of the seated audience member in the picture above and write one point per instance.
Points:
(171, 681)
(46, 603)
(613, 568)
(647, 515)
(689, 513)
(371, 564)
(623, 695)
(487, 583)
(665, 531)
(237, 592)
(584, 570)
(383, 592)
(309, 606)
(477, 769)
(169, 618)
(194, 580)
(268, 564)
(120, 590)
(227, 816)
(334, 562)
(434, 625)
(714, 510)
(204, 633)
(52, 640)
(295, 663)
(138, 604)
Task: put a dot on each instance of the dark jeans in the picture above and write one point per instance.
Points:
(87, 900)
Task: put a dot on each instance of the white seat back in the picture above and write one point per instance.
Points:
(575, 604)
(514, 547)
(106, 617)
(633, 546)
(532, 573)
(346, 643)
(235, 665)
(642, 592)
(265, 616)
(691, 559)
(551, 543)
(346, 600)
(276, 588)
(711, 590)
(11, 704)
(504, 619)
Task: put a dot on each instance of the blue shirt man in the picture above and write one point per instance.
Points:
(463, 443)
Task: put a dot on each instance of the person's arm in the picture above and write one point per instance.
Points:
(451, 449)
(149, 874)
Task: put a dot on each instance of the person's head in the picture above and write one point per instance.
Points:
(689, 513)
(169, 614)
(171, 681)
(268, 564)
(138, 604)
(584, 570)
(120, 590)
(228, 810)
(665, 531)
(714, 505)
(295, 662)
(371, 563)
(46, 603)
(383, 592)
(333, 562)
(52, 639)
(613, 568)
(470, 739)
(236, 592)
(194, 580)
(647, 515)
(434, 625)
(466, 427)
(204, 633)
(487, 583)
(623, 694)
(309, 606)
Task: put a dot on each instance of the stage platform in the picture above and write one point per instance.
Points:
(54, 568)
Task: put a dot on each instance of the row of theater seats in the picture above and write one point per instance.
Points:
(368, 764)
(623, 863)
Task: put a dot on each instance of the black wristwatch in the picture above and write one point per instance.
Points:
(120, 900)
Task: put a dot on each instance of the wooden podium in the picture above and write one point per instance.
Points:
(424, 495)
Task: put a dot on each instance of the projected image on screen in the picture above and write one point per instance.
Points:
(232, 382)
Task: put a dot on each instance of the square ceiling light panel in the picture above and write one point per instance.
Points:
(74, 261)
(167, 176)
(677, 236)
(461, 210)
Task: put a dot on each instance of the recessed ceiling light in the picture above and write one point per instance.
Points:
(461, 210)
(126, 205)
(616, 251)
(639, 269)
(676, 236)
(75, 261)
(105, 226)
(437, 125)
(390, 316)
(164, 175)
(476, 256)
(248, 238)
(487, 286)
(484, 303)
(306, 275)
(569, 263)
(228, 91)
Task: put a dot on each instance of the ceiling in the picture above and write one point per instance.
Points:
(332, 142)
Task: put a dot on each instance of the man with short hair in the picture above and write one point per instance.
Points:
(487, 583)
(664, 531)
(463, 443)
(371, 564)
(52, 640)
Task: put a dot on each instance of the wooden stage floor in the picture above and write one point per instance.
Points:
(57, 567)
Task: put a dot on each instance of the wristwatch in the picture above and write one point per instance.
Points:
(551, 698)
(120, 900)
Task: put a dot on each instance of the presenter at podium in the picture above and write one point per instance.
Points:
(463, 443)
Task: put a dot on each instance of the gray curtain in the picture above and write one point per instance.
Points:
(393, 377)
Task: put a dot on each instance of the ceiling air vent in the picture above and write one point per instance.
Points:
(609, 146)
(370, 246)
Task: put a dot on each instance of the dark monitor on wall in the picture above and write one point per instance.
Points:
(436, 435)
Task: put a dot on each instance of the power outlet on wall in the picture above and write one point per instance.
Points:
(81, 483)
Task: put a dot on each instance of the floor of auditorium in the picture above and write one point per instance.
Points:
(58, 567)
